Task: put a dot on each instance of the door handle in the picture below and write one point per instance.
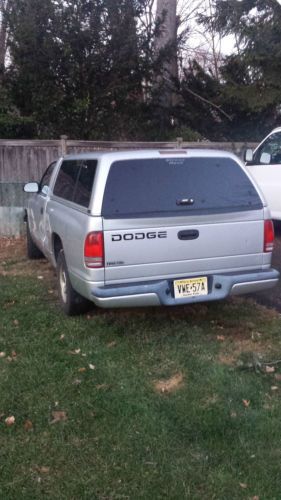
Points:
(190, 234)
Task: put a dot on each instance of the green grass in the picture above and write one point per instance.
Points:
(122, 439)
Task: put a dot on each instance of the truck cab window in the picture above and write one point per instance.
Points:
(75, 180)
(85, 181)
(272, 146)
(66, 180)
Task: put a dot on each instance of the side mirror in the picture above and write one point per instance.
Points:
(31, 187)
(265, 158)
(248, 156)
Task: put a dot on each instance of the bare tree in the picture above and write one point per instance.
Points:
(203, 44)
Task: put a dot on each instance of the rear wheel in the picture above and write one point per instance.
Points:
(33, 251)
(71, 302)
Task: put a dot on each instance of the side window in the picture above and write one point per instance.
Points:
(45, 181)
(75, 180)
(272, 147)
(66, 180)
(85, 181)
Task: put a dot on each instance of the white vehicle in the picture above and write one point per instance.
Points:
(264, 164)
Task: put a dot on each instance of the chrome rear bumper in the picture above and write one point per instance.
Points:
(157, 293)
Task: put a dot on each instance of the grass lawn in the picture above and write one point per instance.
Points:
(147, 404)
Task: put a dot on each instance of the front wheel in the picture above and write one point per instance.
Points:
(71, 302)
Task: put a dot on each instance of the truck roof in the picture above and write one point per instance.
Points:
(151, 153)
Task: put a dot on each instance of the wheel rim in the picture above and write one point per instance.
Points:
(63, 285)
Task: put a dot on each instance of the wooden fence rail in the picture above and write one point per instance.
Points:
(23, 161)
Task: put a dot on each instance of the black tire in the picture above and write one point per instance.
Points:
(33, 251)
(72, 303)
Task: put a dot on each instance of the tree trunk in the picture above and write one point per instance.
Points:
(4, 6)
(166, 14)
(166, 48)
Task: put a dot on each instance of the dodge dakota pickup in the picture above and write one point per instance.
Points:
(149, 228)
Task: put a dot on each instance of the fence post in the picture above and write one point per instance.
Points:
(63, 144)
(179, 142)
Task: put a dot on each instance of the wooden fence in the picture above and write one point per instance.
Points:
(23, 161)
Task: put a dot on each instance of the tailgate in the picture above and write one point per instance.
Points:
(162, 251)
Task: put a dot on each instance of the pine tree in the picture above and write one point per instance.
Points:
(252, 90)
(79, 67)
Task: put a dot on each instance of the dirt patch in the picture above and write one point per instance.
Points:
(11, 247)
(14, 261)
(169, 385)
(232, 353)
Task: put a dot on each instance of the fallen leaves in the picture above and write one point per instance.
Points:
(12, 357)
(244, 486)
(9, 303)
(9, 421)
(112, 344)
(28, 425)
(100, 387)
(77, 381)
(173, 383)
(246, 403)
(75, 352)
(58, 416)
(269, 369)
(221, 338)
(43, 469)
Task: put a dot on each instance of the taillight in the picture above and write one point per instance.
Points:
(94, 250)
(268, 236)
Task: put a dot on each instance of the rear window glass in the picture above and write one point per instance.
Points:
(75, 180)
(177, 186)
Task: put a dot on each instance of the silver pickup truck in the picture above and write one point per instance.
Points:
(148, 228)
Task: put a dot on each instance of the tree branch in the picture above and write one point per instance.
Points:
(209, 102)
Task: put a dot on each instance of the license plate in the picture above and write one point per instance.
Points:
(192, 287)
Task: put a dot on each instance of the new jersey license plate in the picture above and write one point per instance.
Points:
(192, 287)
